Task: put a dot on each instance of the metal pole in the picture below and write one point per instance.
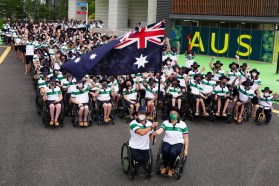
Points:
(277, 70)
(86, 17)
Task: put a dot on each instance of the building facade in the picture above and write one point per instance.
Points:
(248, 28)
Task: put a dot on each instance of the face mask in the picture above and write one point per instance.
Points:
(174, 84)
(223, 83)
(142, 117)
(195, 68)
(52, 83)
(217, 67)
(104, 85)
(173, 117)
(129, 85)
(233, 68)
(254, 74)
(62, 60)
(266, 94)
(79, 85)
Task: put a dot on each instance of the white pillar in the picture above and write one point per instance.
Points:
(118, 14)
(152, 11)
(101, 11)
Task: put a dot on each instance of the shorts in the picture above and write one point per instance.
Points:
(140, 156)
(22, 48)
(16, 47)
(102, 102)
(195, 97)
(255, 100)
(128, 103)
(28, 59)
(51, 102)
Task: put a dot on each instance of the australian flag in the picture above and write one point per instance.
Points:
(136, 52)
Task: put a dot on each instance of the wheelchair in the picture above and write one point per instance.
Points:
(100, 112)
(261, 118)
(75, 116)
(130, 166)
(67, 105)
(178, 164)
(46, 115)
(123, 110)
(247, 113)
(190, 115)
(39, 102)
(230, 111)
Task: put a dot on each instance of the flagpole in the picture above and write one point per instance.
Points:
(159, 91)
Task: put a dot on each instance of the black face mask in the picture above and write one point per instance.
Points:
(175, 84)
(217, 67)
(195, 68)
(104, 85)
(129, 85)
(52, 83)
(223, 84)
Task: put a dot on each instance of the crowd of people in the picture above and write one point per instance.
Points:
(45, 46)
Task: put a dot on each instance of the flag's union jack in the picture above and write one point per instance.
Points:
(153, 33)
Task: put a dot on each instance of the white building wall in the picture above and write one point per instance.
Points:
(118, 13)
(102, 11)
(152, 11)
(138, 10)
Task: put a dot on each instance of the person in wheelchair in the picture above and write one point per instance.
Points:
(221, 91)
(130, 96)
(183, 79)
(246, 93)
(140, 130)
(208, 87)
(175, 92)
(265, 104)
(217, 69)
(42, 79)
(176, 135)
(104, 94)
(80, 97)
(53, 97)
(151, 96)
(197, 95)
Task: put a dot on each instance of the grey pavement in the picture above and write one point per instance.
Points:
(219, 154)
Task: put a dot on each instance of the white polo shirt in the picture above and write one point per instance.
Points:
(174, 133)
(137, 141)
(232, 76)
(218, 74)
(53, 94)
(150, 93)
(42, 83)
(192, 73)
(196, 88)
(181, 79)
(70, 84)
(30, 47)
(104, 94)
(265, 102)
(244, 95)
(208, 86)
(174, 91)
(81, 95)
(221, 91)
(131, 94)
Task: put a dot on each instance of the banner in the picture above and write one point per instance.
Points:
(248, 44)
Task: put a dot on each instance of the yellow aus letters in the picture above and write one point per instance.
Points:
(245, 45)
(197, 36)
(226, 44)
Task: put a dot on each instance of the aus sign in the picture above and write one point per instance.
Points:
(249, 44)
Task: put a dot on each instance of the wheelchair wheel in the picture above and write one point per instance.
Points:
(180, 166)
(159, 160)
(126, 161)
(211, 118)
(190, 117)
(74, 116)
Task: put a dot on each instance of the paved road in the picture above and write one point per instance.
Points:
(220, 154)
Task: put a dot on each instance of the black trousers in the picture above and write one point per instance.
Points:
(170, 153)
(267, 113)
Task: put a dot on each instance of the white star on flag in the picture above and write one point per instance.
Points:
(93, 56)
(141, 61)
(77, 60)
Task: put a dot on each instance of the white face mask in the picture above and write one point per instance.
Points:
(254, 73)
(266, 94)
(79, 85)
(142, 117)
